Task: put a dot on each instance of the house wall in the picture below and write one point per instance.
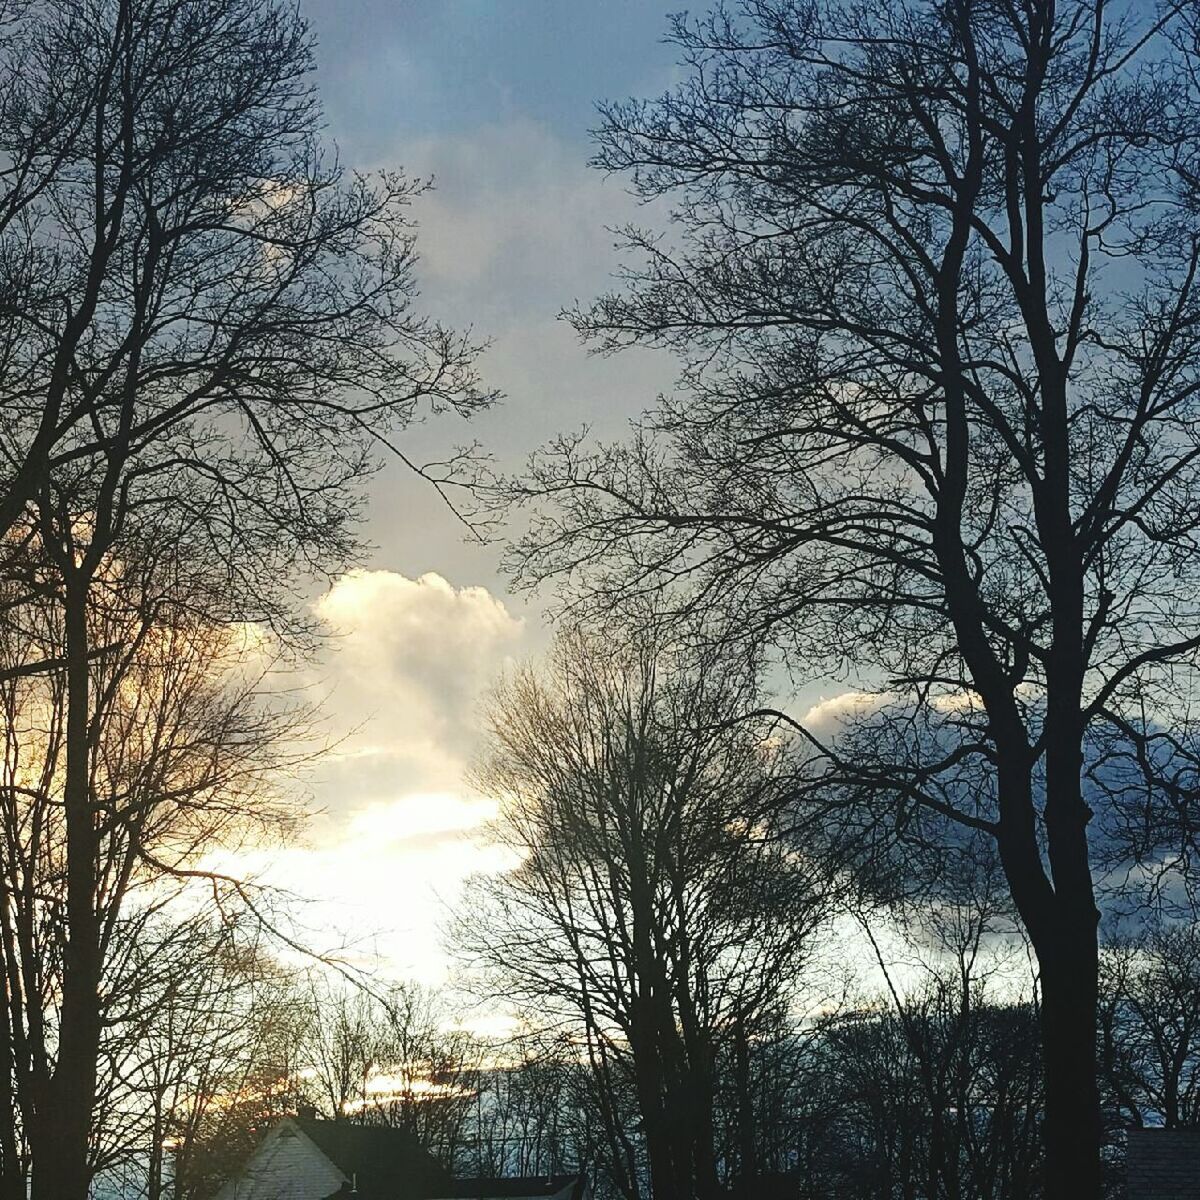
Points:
(286, 1166)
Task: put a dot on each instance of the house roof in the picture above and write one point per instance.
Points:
(518, 1187)
(380, 1163)
(385, 1164)
(1163, 1164)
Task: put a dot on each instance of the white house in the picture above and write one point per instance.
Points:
(302, 1158)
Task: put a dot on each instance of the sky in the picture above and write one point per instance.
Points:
(493, 99)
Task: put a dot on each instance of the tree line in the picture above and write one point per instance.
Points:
(748, 1004)
(900, 1063)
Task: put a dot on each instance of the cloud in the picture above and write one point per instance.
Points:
(829, 716)
(375, 889)
(410, 660)
(513, 232)
(399, 830)
(517, 212)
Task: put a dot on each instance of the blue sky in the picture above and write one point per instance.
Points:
(494, 100)
(396, 69)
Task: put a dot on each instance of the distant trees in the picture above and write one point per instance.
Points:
(392, 1057)
(932, 279)
(656, 911)
(1150, 1024)
(216, 1039)
(918, 1077)
(535, 1111)
(944, 1076)
(874, 1127)
(206, 328)
(204, 1052)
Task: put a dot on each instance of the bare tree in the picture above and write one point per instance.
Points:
(431, 1072)
(655, 906)
(970, 1068)
(532, 1113)
(392, 1056)
(188, 1010)
(44, 119)
(208, 330)
(248, 1071)
(919, 1095)
(180, 746)
(1151, 1025)
(932, 278)
(191, 286)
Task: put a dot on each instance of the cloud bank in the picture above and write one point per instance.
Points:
(408, 663)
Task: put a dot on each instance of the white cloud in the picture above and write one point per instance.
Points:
(514, 230)
(829, 715)
(399, 829)
(960, 701)
(376, 890)
(409, 662)
(421, 816)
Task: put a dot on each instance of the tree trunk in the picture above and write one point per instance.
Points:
(746, 1140)
(1062, 920)
(697, 1111)
(154, 1168)
(59, 1139)
(655, 1121)
(12, 1173)
(1072, 1121)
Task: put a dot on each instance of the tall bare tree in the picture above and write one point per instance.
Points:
(180, 747)
(191, 285)
(220, 1091)
(655, 906)
(186, 1015)
(932, 276)
(208, 328)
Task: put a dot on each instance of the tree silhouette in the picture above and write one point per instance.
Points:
(208, 330)
(656, 914)
(932, 276)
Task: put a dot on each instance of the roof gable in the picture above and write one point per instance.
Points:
(383, 1163)
(302, 1158)
(285, 1165)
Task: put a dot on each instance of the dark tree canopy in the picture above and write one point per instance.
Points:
(932, 277)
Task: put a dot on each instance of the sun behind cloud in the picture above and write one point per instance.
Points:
(397, 828)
